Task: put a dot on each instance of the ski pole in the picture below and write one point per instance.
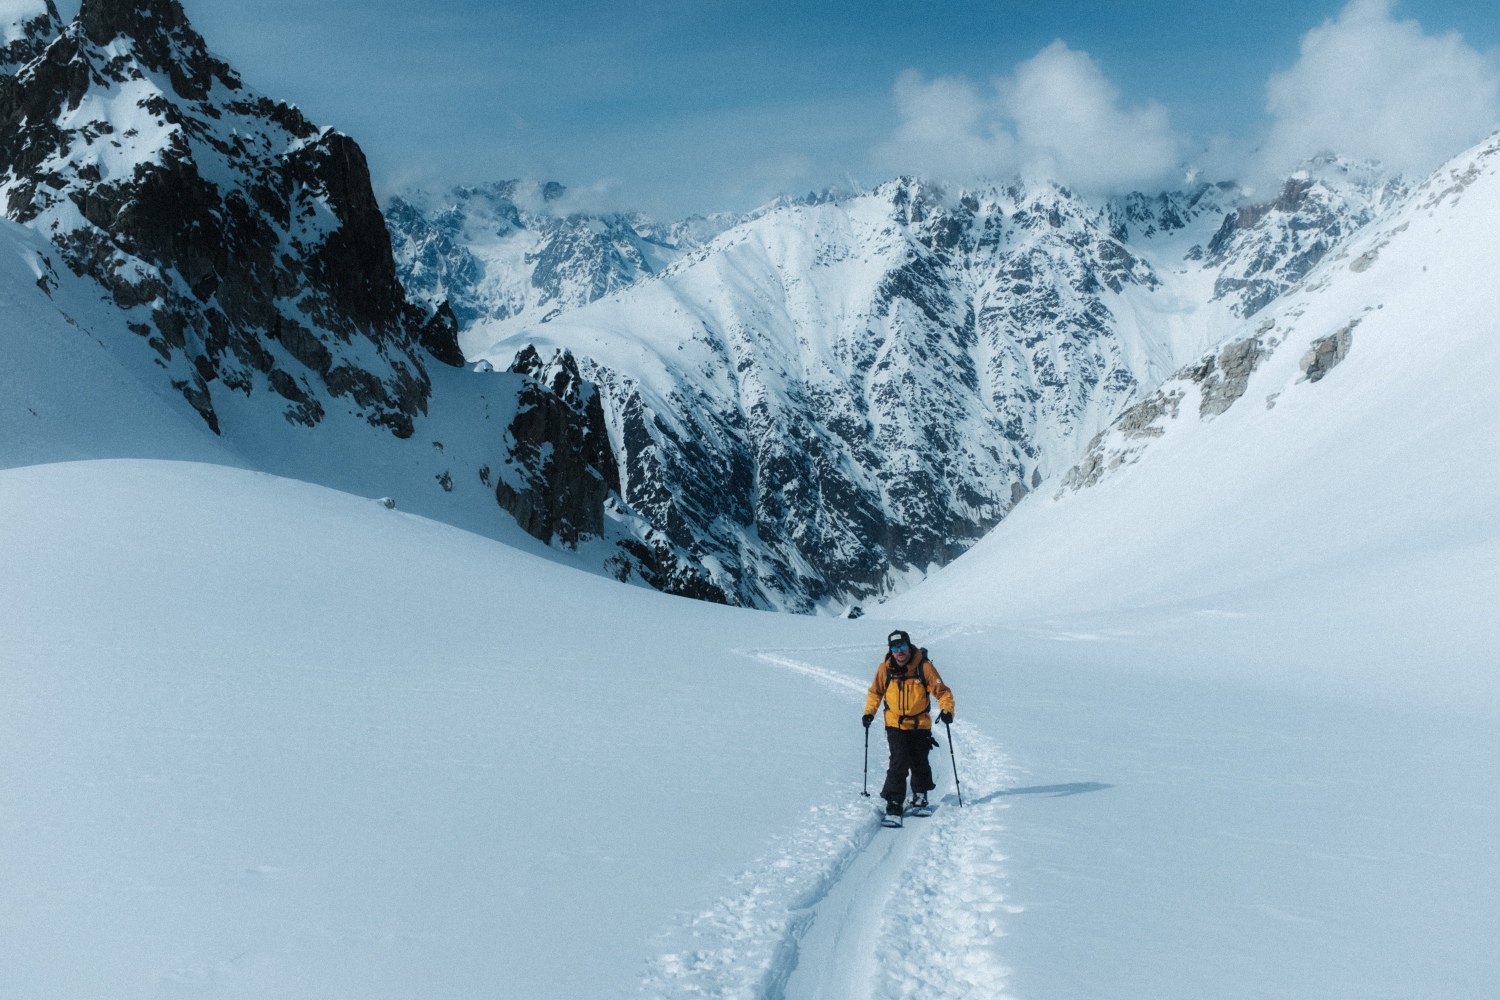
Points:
(954, 759)
(866, 792)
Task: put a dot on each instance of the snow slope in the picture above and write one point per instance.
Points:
(264, 739)
(1321, 495)
(63, 394)
(261, 739)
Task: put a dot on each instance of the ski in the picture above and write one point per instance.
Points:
(893, 822)
(924, 810)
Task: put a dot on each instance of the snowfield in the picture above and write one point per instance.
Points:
(1227, 689)
(265, 739)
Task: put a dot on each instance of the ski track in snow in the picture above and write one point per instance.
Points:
(845, 909)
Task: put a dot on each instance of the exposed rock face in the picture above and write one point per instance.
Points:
(1327, 352)
(561, 482)
(1262, 250)
(245, 242)
(560, 449)
(27, 27)
(1226, 377)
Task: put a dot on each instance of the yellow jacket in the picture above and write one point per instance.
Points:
(907, 705)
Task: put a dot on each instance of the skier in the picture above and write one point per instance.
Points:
(904, 679)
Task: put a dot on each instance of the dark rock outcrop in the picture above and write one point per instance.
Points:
(33, 27)
(560, 451)
(1326, 352)
(561, 480)
(248, 239)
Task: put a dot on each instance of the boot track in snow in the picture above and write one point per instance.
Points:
(846, 909)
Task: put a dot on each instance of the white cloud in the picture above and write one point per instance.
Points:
(1372, 87)
(1056, 117)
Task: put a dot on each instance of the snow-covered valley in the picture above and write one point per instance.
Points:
(835, 396)
(322, 677)
(264, 739)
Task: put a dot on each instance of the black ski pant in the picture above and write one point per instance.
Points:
(908, 755)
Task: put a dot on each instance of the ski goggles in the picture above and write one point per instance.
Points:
(903, 647)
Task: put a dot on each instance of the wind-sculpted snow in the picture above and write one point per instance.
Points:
(840, 393)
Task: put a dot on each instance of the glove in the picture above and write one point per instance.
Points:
(946, 717)
(867, 720)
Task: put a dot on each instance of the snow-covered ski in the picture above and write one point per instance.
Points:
(891, 820)
(926, 810)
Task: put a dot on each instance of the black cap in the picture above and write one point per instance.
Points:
(897, 637)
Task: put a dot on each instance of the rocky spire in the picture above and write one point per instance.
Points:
(163, 41)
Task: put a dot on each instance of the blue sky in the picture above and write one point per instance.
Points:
(681, 107)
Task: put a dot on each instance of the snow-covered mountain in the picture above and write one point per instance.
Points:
(842, 392)
(201, 250)
(803, 408)
(1329, 473)
(241, 241)
(495, 251)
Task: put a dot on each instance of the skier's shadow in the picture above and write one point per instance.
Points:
(1050, 791)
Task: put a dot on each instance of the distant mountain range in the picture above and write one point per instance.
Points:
(832, 396)
(805, 407)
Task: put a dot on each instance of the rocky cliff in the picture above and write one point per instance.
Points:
(250, 274)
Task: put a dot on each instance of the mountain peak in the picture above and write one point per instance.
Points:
(163, 41)
(27, 27)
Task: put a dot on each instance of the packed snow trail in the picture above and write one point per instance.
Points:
(847, 910)
(833, 955)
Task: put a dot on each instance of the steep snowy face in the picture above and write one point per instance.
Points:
(839, 392)
(498, 250)
(828, 395)
(243, 242)
(1334, 459)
